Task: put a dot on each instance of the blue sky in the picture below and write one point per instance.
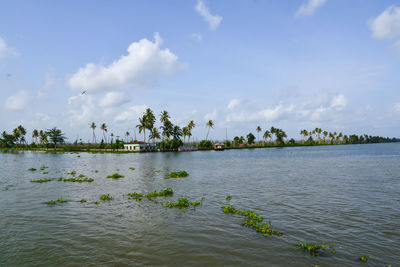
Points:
(289, 64)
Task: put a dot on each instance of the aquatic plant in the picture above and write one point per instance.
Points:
(61, 200)
(163, 193)
(136, 196)
(45, 172)
(106, 197)
(73, 173)
(180, 203)
(195, 203)
(97, 202)
(6, 188)
(74, 180)
(43, 167)
(131, 168)
(317, 248)
(115, 176)
(32, 169)
(42, 180)
(228, 198)
(51, 202)
(81, 175)
(158, 170)
(83, 200)
(179, 174)
(364, 258)
(96, 171)
(253, 221)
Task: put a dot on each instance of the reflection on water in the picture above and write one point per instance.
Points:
(343, 194)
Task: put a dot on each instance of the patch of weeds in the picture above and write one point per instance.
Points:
(163, 193)
(45, 172)
(83, 200)
(115, 176)
(32, 169)
(51, 202)
(158, 171)
(253, 221)
(131, 168)
(228, 198)
(136, 196)
(180, 174)
(195, 203)
(42, 180)
(76, 180)
(43, 168)
(81, 175)
(61, 200)
(316, 248)
(96, 171)
(73, 173)
(364, 258)
(180, 203)
(106, 197)
(97, 202)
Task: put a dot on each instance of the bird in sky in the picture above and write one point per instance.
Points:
(83, 92)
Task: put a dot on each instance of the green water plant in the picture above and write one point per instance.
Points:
(45, 180)
(83, 200)
(228, 198)
(96, 171)
(316, 248)
(97, 202)
(32, 169)
(76, 180)
(131, 168)
(195, 203)
(73, 173)
(136, 196)
(180, 203)
(364, 258)
(51, 202)
(61, 200)
(163, 193)
(106, 197)
(158, 170)
(180, 174)
(43, 167)
(115, 176)
(45, 172)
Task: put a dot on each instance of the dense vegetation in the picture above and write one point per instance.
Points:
(168, 137)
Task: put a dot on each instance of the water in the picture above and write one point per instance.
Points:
(343, 194)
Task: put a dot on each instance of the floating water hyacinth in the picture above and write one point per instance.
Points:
(106, 197)
(32, 169)
(45, 180)
(180, 174)
(83, 200)
(131, 168)
(316, 248)
(115, 176)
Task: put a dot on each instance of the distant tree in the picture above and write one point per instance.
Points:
(250, 138)
(267, 134)
(103, 127)
(154, 134)
(185, 132)
(142, 126)
(93, 127)
(127, 135)
(190, 126)
(258, 129)
(209, 124)
(56, 136)
(35, 135)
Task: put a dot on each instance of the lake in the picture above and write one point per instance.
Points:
(345, 194)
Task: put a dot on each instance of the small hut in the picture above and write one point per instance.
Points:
(135, 146)
(219, 146)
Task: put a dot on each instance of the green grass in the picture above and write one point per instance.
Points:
(45, 180)
(32, 169)
(131, 168)
(180, 174)
(317, 248)
(115, 176)
(106, 197)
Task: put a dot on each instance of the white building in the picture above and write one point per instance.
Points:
(135, 146)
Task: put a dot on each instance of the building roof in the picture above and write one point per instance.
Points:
(136, 143)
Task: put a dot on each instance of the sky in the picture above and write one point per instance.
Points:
(291, 64)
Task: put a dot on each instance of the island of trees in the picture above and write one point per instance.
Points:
(169, 137)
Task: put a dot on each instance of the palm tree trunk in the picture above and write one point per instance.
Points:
(208, 133)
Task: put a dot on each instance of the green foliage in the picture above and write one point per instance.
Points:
(195, 203)
(163, 193)
(61, 200)
(56, 136)
(317, 248)
(136, 196)
(227, 143)
(158, 170)
(97, 202)
(364, 258)
(250, 138)
(45, 180)
(115, 176)
(76, 180)
(228, 198)
(179, 174)
(45, 172)
(253, 221)
(83, 200)
(32, 169)
(106, 197)
(51, 202)
(43, 167)
(205, 144)
(131, 168)
(180, 203)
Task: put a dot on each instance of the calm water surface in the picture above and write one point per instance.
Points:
(349, 195)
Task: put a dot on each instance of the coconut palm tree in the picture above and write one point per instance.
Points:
(185, 131)
(150, 119)
(325, 133)
(280, 135)
(142, 126)
(190, 126)
(127, 135)
(35, 135)
(258, 129)
(112, 138)
(154, 134)
(209, 124)
(103, 127)
(267, 135)
(93, 127)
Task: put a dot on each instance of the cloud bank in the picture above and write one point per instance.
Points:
(309, 8)
(212, 20)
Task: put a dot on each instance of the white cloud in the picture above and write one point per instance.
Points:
(17, 101)
(275, 113)
(396, 108)
(132, 113)
(143, 67)
(339, 102)
(6, 50)
(233, 103)
(387, 24)
(197, 36)
(113, 99)
(81, 109)
(309, 8)
(396, 46)
(212, 20)
(211, 116)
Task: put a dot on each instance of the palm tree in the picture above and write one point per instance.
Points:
(280, 135)
(56, 136)
(142, 126)
(154, 134)
(127, 135)
(177, 132)
(35, 135)
(325, 133)
(190, 126)
(267, 135)
(258, 129)
(93, 127)
(112, 138)
(164, 118)
(150, 119)
(209, 124)
(185, 131)
(103, 127)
